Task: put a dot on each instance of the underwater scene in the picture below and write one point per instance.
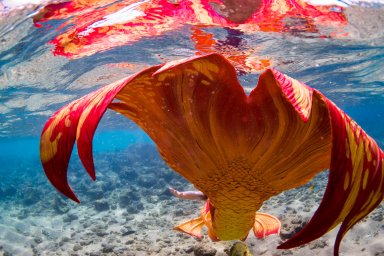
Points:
(191, 127)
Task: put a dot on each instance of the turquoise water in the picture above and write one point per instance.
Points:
(34, 83)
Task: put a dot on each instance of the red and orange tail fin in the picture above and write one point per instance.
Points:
(200, 118)
(265, 225)
(76, 121)
(355, 185)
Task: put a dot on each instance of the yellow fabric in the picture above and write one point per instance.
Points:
(239, 150)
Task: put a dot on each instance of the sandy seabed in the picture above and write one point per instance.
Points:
(128, 211)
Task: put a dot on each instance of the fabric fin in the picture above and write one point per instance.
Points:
(75, 121)
(192, 227)
(356, 181)
(265, 225)
(208, 130)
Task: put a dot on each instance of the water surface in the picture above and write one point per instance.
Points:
(345, 63)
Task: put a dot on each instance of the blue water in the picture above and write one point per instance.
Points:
(34, 83)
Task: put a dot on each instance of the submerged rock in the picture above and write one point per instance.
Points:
(59, 205)
(70, 217)
(147, 181)
(77, 247)
(127, 231)
(101, 205)
(38, 240)
(127, 197)
(107, 248)
(8, 191)
(21, 215)
(96, 194)
(128, 174)
(204, 250)
(239, 249)
(31, 196)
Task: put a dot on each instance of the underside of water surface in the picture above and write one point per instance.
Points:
(53, 52)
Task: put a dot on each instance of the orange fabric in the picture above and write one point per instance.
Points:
(265, 225)
(237, 149)
(193, 227)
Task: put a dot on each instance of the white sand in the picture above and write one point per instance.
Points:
(84, 231)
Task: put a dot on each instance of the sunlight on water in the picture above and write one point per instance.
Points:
(35, 81)
(52, 52)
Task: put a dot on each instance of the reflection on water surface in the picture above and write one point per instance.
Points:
(52, 52)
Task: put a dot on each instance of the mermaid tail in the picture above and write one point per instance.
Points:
(237, 149)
